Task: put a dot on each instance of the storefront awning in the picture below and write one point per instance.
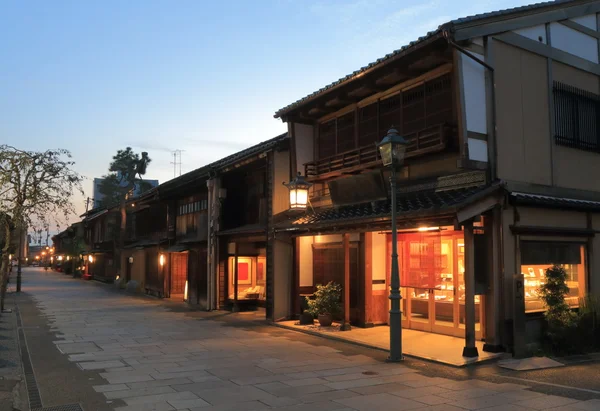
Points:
(421, 204)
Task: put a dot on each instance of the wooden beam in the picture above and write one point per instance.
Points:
(346, 288)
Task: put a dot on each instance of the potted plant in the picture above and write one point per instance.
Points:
(325, 303)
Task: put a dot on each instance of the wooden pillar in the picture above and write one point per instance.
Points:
(470, 349)
(367, 278)
(346, 322)
(236, 308)
(493, 342)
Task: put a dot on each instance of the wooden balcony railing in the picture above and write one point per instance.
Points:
(428, 140)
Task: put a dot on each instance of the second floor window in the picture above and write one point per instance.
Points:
(576, 113)
(421, 107)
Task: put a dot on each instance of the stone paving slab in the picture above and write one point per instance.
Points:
(155, 359)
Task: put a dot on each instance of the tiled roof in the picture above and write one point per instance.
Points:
(256, 149)
(554, 202)
(499, 13)
(424, 202)
(429, 35)
(95, 215)
(204, 171)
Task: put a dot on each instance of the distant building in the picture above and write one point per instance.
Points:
(98, 196)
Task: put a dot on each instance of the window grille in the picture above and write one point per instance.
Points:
(576, 113)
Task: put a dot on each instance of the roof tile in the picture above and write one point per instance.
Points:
(423, 201)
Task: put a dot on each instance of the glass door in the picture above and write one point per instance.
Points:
(445, 287)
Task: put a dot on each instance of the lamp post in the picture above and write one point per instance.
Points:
(392, 149)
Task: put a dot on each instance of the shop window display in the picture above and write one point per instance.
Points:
(432, 269)
(251, 272)
(538, 256)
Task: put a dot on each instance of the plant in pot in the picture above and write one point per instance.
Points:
(325, 303)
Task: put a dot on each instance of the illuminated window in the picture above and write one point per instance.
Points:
(538, 256)
(251, 278)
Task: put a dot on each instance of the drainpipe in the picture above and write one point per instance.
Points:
(490, 85)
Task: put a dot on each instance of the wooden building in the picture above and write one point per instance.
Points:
(100, 233)
(500, 113)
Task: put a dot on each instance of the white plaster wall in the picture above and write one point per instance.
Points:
(588, 21)
(306, 261)
(573, 42)
(474, 90)
(534, 33)
(304, 145)
(478, 150)
(282, 283)
(378, 253)
(281, 171)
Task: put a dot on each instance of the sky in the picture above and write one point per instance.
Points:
(200, 76)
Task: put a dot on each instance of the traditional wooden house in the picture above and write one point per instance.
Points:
(100, 228)
(142, 258)
(241, 196)
(186, 216)
(500, 112)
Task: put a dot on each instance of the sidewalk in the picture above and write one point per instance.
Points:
(13, 391)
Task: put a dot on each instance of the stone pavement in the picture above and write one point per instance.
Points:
(13, 393)
(148, 357)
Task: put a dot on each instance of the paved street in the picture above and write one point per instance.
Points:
(99, 347)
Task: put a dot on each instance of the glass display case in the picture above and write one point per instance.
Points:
(538, 256)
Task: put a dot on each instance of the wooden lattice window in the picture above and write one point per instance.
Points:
(368, 132)
(438, 101)
(327, 139)
(413, 110)
(345, 133)
(390, 113)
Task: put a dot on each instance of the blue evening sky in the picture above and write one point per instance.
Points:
(200, 76)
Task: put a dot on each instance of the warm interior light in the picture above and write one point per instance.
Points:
(68, 257)
(59, 258)
(118, 278)
(298, 192)
(162, 259)
(428, 229)
(185, 292)
(90, 259)
(133, 204)
(37, 257)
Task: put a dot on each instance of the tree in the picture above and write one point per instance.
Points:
(34, 186)
(122, 180)
(120, 184)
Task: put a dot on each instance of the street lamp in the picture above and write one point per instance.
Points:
(393, 149)
(298, 192)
